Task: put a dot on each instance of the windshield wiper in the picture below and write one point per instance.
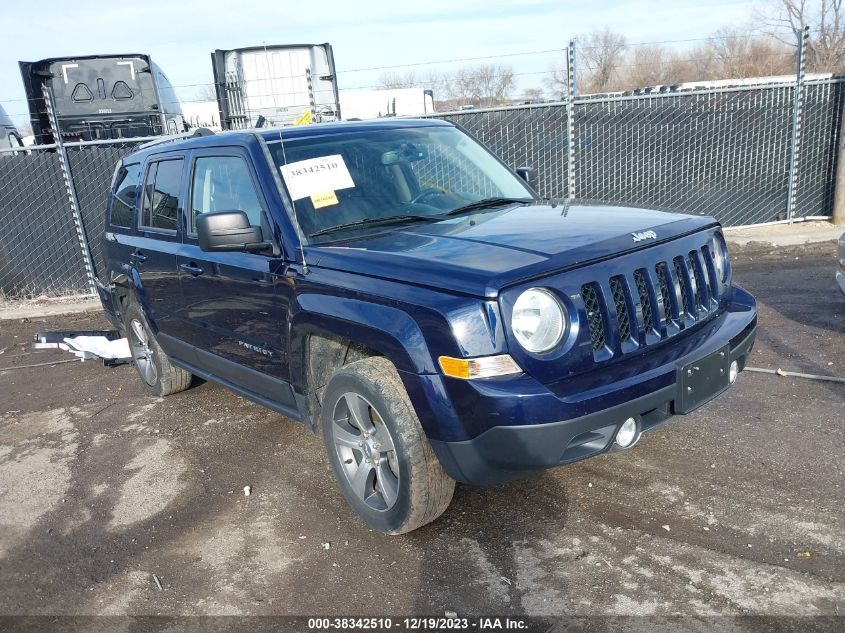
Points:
(488, 203)
(395, 219)
(398, 219)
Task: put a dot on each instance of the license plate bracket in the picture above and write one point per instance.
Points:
(703, 380)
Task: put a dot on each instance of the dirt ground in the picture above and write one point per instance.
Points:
(736, 509)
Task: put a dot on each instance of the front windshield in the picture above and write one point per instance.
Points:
(365, 177)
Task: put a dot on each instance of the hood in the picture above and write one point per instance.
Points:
(481, 253)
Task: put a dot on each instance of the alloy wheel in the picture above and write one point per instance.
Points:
(366, 451)
(142, 354)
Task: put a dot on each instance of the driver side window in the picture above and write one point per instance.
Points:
(223, 183)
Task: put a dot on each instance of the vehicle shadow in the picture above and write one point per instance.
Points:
(797, 283)
(475, 554)
(801, 312)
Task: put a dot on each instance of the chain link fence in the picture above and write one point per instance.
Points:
(40, 249)
(725, 152)
(92, 168)
(722, 152)
(820, 130)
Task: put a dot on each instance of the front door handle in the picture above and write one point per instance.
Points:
(138, 256)
(191, 268)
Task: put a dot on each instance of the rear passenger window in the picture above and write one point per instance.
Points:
(123, 196)
(161, 195)
(223, 183)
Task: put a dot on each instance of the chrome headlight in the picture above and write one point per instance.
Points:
(721, 262)
(538, 320)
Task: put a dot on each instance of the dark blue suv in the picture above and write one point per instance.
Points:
(395, 287)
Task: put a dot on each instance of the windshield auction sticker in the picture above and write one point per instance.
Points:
(321, 200)
(316, 176)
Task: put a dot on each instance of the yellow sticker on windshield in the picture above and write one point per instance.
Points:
(321, 200)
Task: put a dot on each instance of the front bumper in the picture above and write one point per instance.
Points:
(511, 451)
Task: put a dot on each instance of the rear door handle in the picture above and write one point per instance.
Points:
(191, 268)
(138, 256)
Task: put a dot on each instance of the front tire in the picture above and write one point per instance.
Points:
(380, 456)
(157, 373)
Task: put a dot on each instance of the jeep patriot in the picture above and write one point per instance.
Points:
(399, 290)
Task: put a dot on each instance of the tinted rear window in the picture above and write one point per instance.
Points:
(123, 196)
(161, 195)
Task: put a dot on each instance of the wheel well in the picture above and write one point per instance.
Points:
(325, 354)
(122, 299)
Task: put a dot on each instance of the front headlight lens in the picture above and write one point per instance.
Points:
(720, 258)
(538, 320)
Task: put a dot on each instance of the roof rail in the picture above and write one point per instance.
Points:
(200, 131)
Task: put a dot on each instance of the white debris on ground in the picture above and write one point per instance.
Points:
(86, 345)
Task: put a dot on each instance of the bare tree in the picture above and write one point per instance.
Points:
(495, 83)
(650, 65)
(732, 53)
(826, 19)
(393, 80)
(600, 54)
(599, 58)
(485, 85)
(557, 80)
(532, 94)
(729, 54)
(205, 92)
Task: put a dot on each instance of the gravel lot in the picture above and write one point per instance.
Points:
(736, 509)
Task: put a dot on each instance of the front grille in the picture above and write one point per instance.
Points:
(623, 319)
(682, 293)
(662, 271)
(595, 322)
(640, 277)
(699, 284)
(681, 284)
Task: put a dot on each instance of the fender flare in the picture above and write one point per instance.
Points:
(131, 281)
(388, 330)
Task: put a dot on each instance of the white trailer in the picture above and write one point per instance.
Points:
(275, 85)
(371, 104)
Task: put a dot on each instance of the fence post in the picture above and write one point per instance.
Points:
(839, 186)
(70, 188)
(797, 111)
(571, 91)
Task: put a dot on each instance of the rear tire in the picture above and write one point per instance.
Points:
(379, 453)
(157, 373)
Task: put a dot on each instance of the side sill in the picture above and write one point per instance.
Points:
(286, 410)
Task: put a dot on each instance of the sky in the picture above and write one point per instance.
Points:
(180, 34)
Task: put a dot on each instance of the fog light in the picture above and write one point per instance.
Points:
(628, 433)
(733, 372)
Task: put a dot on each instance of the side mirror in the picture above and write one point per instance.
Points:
(228, 231)
(527, 174)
